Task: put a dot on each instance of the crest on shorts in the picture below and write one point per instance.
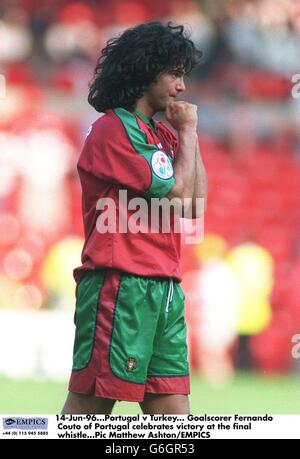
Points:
(161, 165)
(131, 364)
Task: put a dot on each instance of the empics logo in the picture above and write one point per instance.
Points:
(9, 422)
(25, 423)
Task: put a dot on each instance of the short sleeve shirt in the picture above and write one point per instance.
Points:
(126, 152)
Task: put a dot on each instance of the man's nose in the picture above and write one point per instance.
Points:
(180, 86)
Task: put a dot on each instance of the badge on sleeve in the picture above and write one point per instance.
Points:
(161, 165)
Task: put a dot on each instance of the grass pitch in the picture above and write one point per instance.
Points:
(245, 394)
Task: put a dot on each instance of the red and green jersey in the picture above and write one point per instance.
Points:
(126, 151)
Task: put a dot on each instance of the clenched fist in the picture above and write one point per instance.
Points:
(182, 115)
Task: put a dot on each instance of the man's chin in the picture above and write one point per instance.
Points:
(162, 108)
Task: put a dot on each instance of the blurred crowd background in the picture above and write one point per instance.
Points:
(242, 283)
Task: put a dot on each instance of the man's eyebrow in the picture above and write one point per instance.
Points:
(180, 70)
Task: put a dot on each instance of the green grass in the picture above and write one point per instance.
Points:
(246, 394)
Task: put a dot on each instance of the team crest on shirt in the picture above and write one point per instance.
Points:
(161, 165)
(131, 364)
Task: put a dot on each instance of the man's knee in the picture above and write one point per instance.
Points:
(165, 404)
(87, 404)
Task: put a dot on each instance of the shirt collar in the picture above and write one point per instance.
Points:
(150, 122)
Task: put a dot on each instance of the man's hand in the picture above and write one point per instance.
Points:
(182, 115)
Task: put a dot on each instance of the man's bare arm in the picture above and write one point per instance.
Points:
(183, 117)
(185, 166)
(200, 184)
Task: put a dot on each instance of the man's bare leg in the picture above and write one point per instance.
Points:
(165, 404)
(87, 404)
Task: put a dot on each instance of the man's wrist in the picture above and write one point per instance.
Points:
(187, 130)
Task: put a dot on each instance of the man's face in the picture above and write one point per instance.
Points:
(165, 89)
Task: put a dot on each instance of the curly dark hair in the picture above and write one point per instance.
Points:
(131, 62)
